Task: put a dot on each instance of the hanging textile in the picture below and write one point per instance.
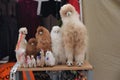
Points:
(50, 13)
(8, 36)
(8, 29)
(50, 7)
(49, 22)
(75, 3)
(27, 16)
(5, 71)
(8, 7)
(39, 6)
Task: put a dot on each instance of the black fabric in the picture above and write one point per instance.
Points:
(50, 13)
(27, 16)
(50, 7)
(49, 22)
(8, 7)
(8, 36)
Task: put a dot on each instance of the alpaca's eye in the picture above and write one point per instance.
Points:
(41, 32)
(32, 44)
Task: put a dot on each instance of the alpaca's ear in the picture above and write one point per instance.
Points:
(38, 28)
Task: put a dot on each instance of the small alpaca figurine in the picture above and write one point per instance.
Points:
(38, 60)
(33, 61)
(21, 43)
(42, 59)
(31, 47)
(29, 63)
(49, 59)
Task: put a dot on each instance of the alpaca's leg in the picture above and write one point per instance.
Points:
(68, 40)
(80, 54)
(69, 56)
(69, 53)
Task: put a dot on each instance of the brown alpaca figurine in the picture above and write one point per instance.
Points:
(43, 38)
(31, 47)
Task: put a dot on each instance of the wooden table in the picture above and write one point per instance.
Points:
(85, 67)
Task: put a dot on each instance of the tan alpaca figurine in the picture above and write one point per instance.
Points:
(33, 61)
(74, 35)
(42, 59)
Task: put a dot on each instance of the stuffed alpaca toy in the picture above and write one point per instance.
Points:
(49, 59)
(57, 45)
(29, 62)
(22, 42)
(33, 61)
(42, 58)
(38, 60)
(31, 47)
(43, 38)
(74, 35)
(20, 56)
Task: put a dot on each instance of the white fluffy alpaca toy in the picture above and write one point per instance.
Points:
(33, 61)
(57, 45)
(29, 62)
(49, 59)
(21, 43)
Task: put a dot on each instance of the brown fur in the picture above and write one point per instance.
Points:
(74, 35)
(31, 47)
(44, 39)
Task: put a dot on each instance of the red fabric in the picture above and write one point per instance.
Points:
(5, 70)
(75, 3)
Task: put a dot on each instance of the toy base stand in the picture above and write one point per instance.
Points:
(14, 73)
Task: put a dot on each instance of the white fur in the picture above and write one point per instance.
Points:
(19, 52)
(20, 56)
(49, 59)
(74, 35)
(33, 61)
(38, 60)
(57, 45)
(29, 62)
(22, 31)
